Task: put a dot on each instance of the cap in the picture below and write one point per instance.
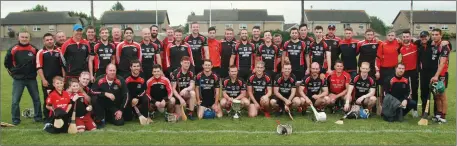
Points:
(77, 26)
(424, 34)
(331, 26)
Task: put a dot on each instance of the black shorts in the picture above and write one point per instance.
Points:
(157, 99)
(270, 73)
(257, 98)
(279, 101)
(244, 73)
(223, 72)
(385, 73)
(198, 68)
(444, 78)
(207, 102)
(146, 74)
(299, 73)
(217, 70)
(177, 100)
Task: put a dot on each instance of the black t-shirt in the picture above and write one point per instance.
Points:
(349, 54)
(244, 55)
(318, 52)
(257, 43)
(362, 86)
(285, 85)
(429, 55)
(233, 89)
(227, 48)
(368, 51)
(103, 55)
(197, 44)
(313, 86)
(183, 78)
(269, 55)
(149, 52)
(296, 53)
(259, 85)
(177, 51)
(207, 85)
(135, 85)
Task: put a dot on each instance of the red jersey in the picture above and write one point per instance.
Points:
(337, 84)
(57, 100)
(409, 56)
(388, 53)
(215, 49)
(165, 43)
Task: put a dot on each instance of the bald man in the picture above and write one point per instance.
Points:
(150, 54)
(60, 38)
(313, 90)
(117, 35)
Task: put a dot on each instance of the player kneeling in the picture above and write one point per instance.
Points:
(365, 87)
(313, 91)
(159, 90)
(58, 104)
(338, 83)
(259, 91)
(284, 90)
(183, 82)
(234, 88)
(83, 118)
(138, 102)
(207, 86)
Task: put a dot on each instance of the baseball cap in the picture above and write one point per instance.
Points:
(77, 26)
(424, 34)
(331, 26)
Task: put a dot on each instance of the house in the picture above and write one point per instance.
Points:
(135, 19)
(39, 23)
(358, 20)
(237, 19)
(289, 26)
(425, 20)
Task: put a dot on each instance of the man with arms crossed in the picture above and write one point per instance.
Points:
(207, 86)
(364, 87)
(259, 91)
(233, 88)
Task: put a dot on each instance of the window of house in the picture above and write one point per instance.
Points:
(418, 27)
(137, 27)
(25, 27)
(431, 27)
(346, 25)
(124, 26)
(243, 26)
(444, 27)
(36, 28)
(228, 25)
(9, 28)
(361, 26)
(52, 28)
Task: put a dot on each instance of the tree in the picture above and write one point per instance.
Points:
(81, 15)
(37, 8)
(12, 34)
(378, 25)
(186, 28)
(117, 7)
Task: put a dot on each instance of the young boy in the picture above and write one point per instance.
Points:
(83, 116)
(58, 104)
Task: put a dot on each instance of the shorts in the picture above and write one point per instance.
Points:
(85, 122)
(257, 98)
(198, 68)
(217, 70)
(299, 73)
(146, 74)
(207, 102)
(223, 72)
(157, 99)
(244, 73)
(444, 78)
(270, 73)
(352, 73)
(385, 73)
(279, 101)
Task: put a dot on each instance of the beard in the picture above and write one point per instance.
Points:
(154, 35)
(244, 38)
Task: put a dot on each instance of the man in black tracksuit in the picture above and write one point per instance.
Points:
(110, 98)
(49, 65)
(20, 61)
(399, 87)
(136, 88)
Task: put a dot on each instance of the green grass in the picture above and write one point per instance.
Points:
(226, 131)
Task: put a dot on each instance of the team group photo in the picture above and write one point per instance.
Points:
(226, 81)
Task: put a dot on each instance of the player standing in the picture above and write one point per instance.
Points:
(150, 54)
(243, 55)
(349, 51)
(176, 50)
(199, 45)
(214, 48)
(207, 87)
(228, 45)
(256, 40)
(127, 51)
(320, 53)
(333, 43)
(104, 53)
(409, 57)
(296, 53)
(368, 49)
(269, 53)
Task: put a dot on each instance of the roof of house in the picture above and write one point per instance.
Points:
(236, 15)
(289, 25)
(344, 16)
(441, 17)
(134, 17)
(39, 18)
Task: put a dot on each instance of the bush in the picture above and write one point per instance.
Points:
(12, 34)
(447, 36)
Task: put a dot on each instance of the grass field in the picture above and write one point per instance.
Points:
(247, 131)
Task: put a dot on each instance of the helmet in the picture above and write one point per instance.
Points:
(364, 113)
(28, 113)
(438, 87)
(209, 114)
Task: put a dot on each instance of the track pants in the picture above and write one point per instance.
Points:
(413, 77)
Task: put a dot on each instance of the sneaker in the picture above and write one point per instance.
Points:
(190, 116)
(278, 113)
(267, 114)
(100, 124)
(415, 114)
(151, 114)
(16, 122)
(47, 125)
(440, 119)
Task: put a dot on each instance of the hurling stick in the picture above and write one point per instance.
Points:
(290, 115)
(424, 121)
(183, 114)
(72, 128)
(143, 120)
(340, 121)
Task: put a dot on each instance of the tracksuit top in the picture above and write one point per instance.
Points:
(349, 51)
(398, 87)
(118, 88)
(76, 56)
(136, 86)
(103, 55)
(126, 52)
(20, 61)
(50, 61)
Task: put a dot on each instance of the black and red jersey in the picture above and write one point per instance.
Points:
(182, 78)
(75, 55)
(269, 54)
(207, 85)
(349, 51)
(149, 52)
(285, 84)
(257, 43)
(103, 55)
(313, 86)
(307, 40)
(117, 87)
(296, 52)
(50, 61)
(318, 52)
(197, 44)
(226, 51)
(57, 100)
(125, 53)
(409, 55)
(362, 86)
(233, 88)
(398, 87)
(333, 46)
(136, 86)
(159, 44)
(431, 54)
(368, 52)
(158, 88)
(337, 84)
(245, 56)
(176, 52)
(259, 85)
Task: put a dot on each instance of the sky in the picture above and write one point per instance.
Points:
(179, 10)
